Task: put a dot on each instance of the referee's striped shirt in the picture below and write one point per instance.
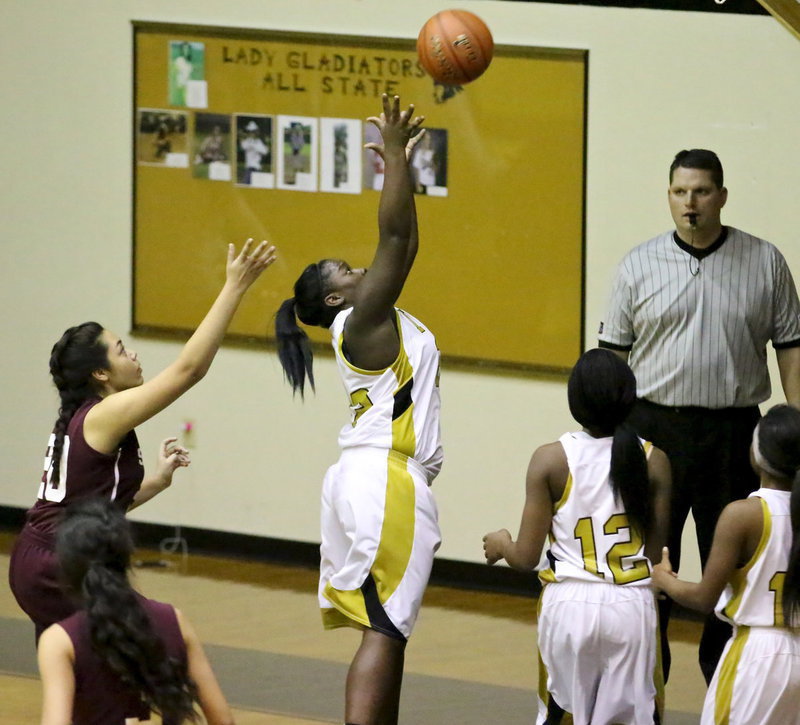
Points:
(697, 322)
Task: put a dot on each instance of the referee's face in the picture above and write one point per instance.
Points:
(694, 195)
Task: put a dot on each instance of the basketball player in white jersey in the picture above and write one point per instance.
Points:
(379, 519)
(603, 495)
(753, 577)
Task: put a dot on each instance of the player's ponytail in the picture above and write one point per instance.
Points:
(776, 451)
(308, 305)
(791, 586)
(94, 548)
(601, 393)
(73, 359)
(294, 347)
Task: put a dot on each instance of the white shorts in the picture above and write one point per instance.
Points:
(599, 658)
(379, 535)
(757, 680)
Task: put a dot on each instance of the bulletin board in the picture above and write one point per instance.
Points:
(256, 133)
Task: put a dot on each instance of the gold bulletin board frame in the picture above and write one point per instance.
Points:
(500, 274)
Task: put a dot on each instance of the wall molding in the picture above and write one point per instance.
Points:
(741, 7)
(446, 572)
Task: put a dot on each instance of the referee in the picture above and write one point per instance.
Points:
(692, 311)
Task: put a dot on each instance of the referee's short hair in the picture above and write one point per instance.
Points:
(698, 159)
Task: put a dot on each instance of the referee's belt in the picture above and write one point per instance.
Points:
(698, 410)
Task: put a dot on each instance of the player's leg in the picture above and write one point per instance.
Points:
(35, 582)
(380, 534)
(569, 622)
(372, 694)
(631, 684)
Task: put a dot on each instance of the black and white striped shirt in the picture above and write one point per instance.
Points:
(697, 325)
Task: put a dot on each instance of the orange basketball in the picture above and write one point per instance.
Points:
(455, 47)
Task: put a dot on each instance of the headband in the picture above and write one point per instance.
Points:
(762, 462)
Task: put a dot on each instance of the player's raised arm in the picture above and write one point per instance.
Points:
(121, 410)
(396, 222)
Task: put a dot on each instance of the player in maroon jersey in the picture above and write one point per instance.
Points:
(93, 450)
(121, 656)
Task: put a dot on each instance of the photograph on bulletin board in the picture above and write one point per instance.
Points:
(244, 133)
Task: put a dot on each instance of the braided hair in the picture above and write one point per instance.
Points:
(308, 305)
(601, 392)
(73, 359)
(94, 547)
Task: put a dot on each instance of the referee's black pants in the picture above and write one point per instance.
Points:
(709, 451)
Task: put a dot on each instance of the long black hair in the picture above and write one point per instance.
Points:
(73, 359)
(779, 443)
(601, 392)
(308, 305)
(94, 547)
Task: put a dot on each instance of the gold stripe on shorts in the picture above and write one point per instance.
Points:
(393, 553)
(727, 676)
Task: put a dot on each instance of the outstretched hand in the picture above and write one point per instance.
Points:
(244, 268)
(398, 128)
(662, 572)
(412, 142)
(494, 545)
(170, 458)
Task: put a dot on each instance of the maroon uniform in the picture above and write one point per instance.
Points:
(101, 698)
(33, 571)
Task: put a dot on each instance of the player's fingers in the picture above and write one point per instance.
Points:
(414, 140)
(245, 252)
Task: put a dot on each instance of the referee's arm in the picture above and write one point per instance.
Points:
(623, 352)
(616, 330)
(789, 367)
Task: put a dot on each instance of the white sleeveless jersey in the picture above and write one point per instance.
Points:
(590, 539)
(754, 595)
(396, 408)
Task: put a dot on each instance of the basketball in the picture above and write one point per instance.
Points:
(455, 47)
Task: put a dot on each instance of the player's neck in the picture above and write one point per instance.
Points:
(775, 483)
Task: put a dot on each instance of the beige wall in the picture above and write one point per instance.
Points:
(658, 82)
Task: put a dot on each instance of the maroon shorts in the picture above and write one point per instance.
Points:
(34, 579)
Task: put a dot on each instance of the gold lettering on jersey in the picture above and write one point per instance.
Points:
(623, 549)
(359, 404)
(776, 586)
(584, 532)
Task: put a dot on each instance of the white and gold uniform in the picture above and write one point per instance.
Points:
(757, 680)
(379, 519)
(598, 638)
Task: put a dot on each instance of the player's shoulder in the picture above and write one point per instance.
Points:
(56, 638)
(742, 514)
(550, 456)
